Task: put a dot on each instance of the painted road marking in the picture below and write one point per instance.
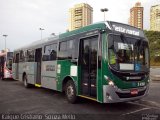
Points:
(136, 111)
(144, 105)
(152, 103)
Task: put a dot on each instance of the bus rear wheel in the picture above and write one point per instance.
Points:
(70, 92)
(25, 82)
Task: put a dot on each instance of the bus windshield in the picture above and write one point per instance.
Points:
(128, 53)
(9, 60)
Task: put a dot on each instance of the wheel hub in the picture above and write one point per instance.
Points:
(70, 92)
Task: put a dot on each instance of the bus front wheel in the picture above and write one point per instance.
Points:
(70, 92)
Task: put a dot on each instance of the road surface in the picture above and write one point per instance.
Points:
(49, 104)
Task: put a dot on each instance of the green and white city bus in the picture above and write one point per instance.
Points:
(107, 62)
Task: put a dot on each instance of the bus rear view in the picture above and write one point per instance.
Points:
(6, 65)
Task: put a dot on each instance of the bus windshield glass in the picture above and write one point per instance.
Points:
(128, 53)
(9, 60)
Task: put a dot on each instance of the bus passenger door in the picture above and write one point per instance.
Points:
(1, 67)
(38, 59)
(17, 66)
(88, 64)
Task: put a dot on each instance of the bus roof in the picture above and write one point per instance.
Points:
(2, 54)
(38, 43)
(5, 53)
(110, 25)
(99, 25)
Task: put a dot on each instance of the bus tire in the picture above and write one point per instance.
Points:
(70, 92)
(25, 82)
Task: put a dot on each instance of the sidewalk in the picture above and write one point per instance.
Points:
(155, 77)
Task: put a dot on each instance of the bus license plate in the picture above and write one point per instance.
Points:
(134, 92)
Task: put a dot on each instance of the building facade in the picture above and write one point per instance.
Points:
(80, 15)
(136, 16)
(155, 18)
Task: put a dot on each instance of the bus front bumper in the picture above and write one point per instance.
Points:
(112, 94)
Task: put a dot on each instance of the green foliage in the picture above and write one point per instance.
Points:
(157, 59)
(154, 44)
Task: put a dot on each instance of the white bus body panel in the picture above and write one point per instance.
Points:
(48, 75)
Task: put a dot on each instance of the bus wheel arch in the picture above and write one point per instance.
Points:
(25, 80)
(24, 75)
(65, 80)
(69, 88)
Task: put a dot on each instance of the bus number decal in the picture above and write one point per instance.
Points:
(50, 68)
(141, 84)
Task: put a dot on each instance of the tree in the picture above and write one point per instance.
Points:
(154, 44)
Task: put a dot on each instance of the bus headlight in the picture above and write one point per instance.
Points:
(110, 82)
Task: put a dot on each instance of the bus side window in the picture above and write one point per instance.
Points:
(62, 50)
(21, 56)
(75, 50)
(46, 55)
(25, 56)
(50, 52)
(14, 58)
(30, 54)
(53, 53)
(17, 58)
(70, 51)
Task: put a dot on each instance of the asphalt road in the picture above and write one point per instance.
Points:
(15, 99)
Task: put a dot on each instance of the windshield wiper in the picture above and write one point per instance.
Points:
(123, 38)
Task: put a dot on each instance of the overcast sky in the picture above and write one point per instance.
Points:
(21, 19)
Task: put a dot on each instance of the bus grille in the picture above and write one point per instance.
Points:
(128, 95)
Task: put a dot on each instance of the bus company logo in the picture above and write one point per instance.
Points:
(50, 68)
(124, 30)
(150, 117)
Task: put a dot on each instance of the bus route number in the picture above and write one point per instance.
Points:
(141, 84)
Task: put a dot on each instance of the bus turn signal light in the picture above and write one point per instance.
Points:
(110, 82)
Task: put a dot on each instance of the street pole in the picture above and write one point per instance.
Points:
(5, 41)
(104, 10)
(41, 32)
(5, 45)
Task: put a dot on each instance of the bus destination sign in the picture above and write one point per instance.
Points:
(126, 29)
